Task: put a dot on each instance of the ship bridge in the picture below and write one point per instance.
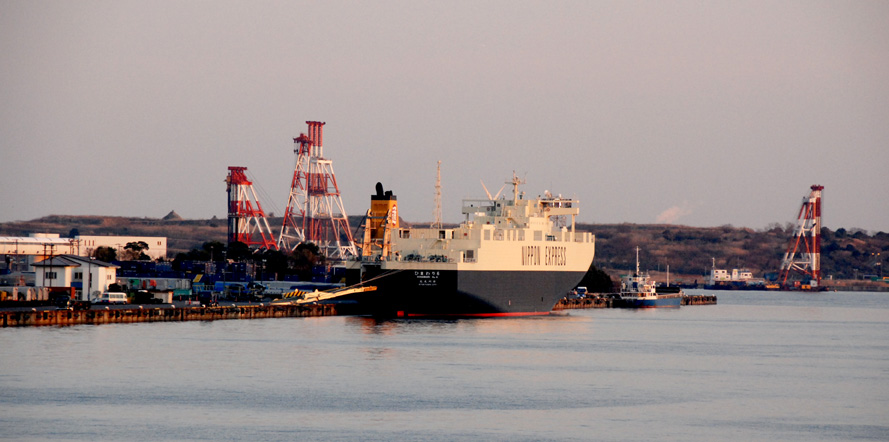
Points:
(519, 213)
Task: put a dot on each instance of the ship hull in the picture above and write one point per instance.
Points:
(433, 292)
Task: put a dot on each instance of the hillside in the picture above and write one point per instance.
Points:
(688, 251)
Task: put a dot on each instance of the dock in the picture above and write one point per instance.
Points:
(98, 315)
(699, 300)
(606, 302)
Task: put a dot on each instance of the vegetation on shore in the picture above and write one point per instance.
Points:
(692, 251)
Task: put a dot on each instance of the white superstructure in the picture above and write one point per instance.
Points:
(500, 234)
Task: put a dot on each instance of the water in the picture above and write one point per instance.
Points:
(757, 366)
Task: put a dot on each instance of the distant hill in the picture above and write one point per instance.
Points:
(689, 251)
(172, 216)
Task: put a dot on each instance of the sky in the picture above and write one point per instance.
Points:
(699, 113)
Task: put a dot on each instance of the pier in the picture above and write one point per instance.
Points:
(168, 314)
(606, 302)
(699, 300)
(99, 315)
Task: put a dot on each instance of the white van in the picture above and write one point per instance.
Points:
(111, 298)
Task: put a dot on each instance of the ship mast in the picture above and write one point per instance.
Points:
(637, 260)
(516, 181)
(437, 214)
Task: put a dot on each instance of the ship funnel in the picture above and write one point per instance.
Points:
(382, 220)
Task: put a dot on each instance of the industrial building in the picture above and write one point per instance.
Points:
(87, 244)
(39, 246)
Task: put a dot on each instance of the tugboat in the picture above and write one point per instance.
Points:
(510, 257)
(640, 291)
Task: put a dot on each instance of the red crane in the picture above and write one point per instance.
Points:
(246, 223)
(314, 209)
(804, 252)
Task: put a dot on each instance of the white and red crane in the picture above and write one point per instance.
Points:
(247, 222)
(314, 209)
(803, 255)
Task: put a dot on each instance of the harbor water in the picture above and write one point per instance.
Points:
(756, 366)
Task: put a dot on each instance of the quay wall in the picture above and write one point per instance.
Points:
(698, 300)
(567, 304)
(176, 314)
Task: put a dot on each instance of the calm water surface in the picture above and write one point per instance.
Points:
(757, 366)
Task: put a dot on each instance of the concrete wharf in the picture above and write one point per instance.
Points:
(98, 315)
(168, 314)
(606, 302)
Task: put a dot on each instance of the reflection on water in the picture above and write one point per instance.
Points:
(757, 366)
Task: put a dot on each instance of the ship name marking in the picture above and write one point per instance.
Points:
(427, 278)
(551, 256)
(530, 255)
(556, 256)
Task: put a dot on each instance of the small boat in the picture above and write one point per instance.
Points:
(639, 291)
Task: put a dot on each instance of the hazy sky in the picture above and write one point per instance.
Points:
(700, 113)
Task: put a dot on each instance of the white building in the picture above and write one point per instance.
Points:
(43, 245)
(737, 275)
(37, 244)
(91, 275)
(157, 245)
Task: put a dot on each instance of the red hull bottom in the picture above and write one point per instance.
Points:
(470, 315)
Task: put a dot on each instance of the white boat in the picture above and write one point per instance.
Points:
(640, 291)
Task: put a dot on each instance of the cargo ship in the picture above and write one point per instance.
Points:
(640, 291)
(509, 257)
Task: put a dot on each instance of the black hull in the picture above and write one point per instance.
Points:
(448, 293)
